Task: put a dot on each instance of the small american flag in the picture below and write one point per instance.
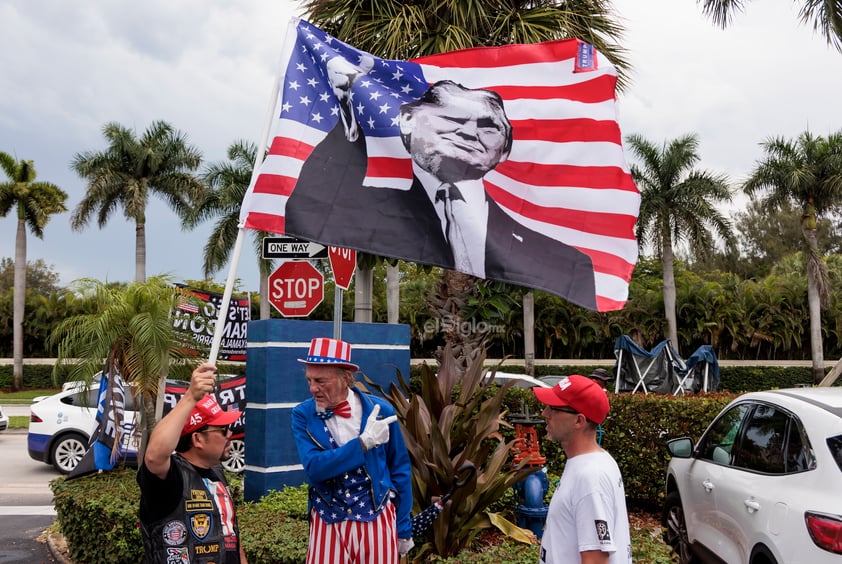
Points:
(184, 304)
(566, 176)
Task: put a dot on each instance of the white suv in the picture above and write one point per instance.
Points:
(764, 483)
(60, 427)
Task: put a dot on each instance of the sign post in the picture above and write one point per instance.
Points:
(342, 262)
(296, 288)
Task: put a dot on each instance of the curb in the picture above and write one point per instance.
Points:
(55, 543)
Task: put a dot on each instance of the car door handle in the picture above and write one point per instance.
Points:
(708, 485)
(751, 505)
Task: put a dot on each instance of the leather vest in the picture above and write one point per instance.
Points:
(193, 531)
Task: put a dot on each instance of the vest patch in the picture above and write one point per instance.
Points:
(202, 549)
(201, 525)
(174, 533)
(178, 556)
(199, 501)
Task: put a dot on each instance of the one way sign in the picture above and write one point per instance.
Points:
(292, 248)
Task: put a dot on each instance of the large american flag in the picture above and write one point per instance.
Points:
(566, 175)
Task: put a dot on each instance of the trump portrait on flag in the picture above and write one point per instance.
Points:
(483, 161)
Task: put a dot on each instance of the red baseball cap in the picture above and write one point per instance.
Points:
(208, 412)
(578, 392)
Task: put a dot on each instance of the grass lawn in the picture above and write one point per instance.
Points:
(18, 422)
(25, 396)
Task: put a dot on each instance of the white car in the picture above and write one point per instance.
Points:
(520, 380)
(60, 427)
(764, 483)
(4, 420)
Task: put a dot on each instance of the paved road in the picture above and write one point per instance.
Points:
(26, 506)
(15, 409)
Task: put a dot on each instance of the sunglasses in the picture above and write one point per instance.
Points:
(565, 410)
(223, 430)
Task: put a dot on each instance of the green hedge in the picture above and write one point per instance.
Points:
(34, 376)
(40, 376)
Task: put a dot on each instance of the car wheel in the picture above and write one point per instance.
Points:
(68, 451)
(236, 460)
(675, 529)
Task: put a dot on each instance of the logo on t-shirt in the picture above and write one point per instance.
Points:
(602, 532)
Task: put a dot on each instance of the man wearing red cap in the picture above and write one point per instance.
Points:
(354, 455)
(186, 508)
(587, 520)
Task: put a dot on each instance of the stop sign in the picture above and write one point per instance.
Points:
(296, 288)
(343, 262)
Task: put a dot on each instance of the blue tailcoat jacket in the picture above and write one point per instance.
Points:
(387, 466)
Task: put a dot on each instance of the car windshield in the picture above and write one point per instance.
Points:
(835, 446)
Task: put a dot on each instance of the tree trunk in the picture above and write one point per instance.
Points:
(447, 301)
(392, 293)
(669, 292)
(19, 305)
(529, 332)
(140, 252)
(265, 312)
(814, 286)
(363, 286)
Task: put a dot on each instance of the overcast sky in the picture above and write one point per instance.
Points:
(207, 67)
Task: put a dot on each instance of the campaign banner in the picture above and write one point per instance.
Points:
(194, 320)
(230, 394)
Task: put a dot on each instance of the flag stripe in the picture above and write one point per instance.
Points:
(588, 93)
(563, 175)
(611, 225)
(496, 57)
(567, 130)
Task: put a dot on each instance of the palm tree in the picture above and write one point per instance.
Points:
(677, 205)
(227, 183)
(35, 202)
(130, 330)
(130, 170)
(805, 173)
(398, 30)
(825, 17)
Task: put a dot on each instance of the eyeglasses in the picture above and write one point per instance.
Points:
(223, 430)
(565, 410)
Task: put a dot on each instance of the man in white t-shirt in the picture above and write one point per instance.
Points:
(587, 520)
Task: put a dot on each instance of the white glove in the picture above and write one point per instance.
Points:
(405, 545)
(376, 431)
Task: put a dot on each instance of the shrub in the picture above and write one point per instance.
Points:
(101, 506)
(275, 529)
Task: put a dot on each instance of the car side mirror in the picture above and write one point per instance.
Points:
(681, 448)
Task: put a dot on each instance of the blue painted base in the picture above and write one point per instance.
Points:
(276, 384)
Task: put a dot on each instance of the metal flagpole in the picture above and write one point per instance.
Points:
(238, 244)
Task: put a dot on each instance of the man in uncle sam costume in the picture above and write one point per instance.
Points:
(356, 462)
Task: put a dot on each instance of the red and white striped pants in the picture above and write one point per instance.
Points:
(353, 542)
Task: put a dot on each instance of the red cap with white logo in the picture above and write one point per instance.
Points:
(577, 392)
(208, 412)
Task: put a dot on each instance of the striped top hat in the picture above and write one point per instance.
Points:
(332, 352)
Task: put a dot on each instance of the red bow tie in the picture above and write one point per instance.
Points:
(342, 410)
